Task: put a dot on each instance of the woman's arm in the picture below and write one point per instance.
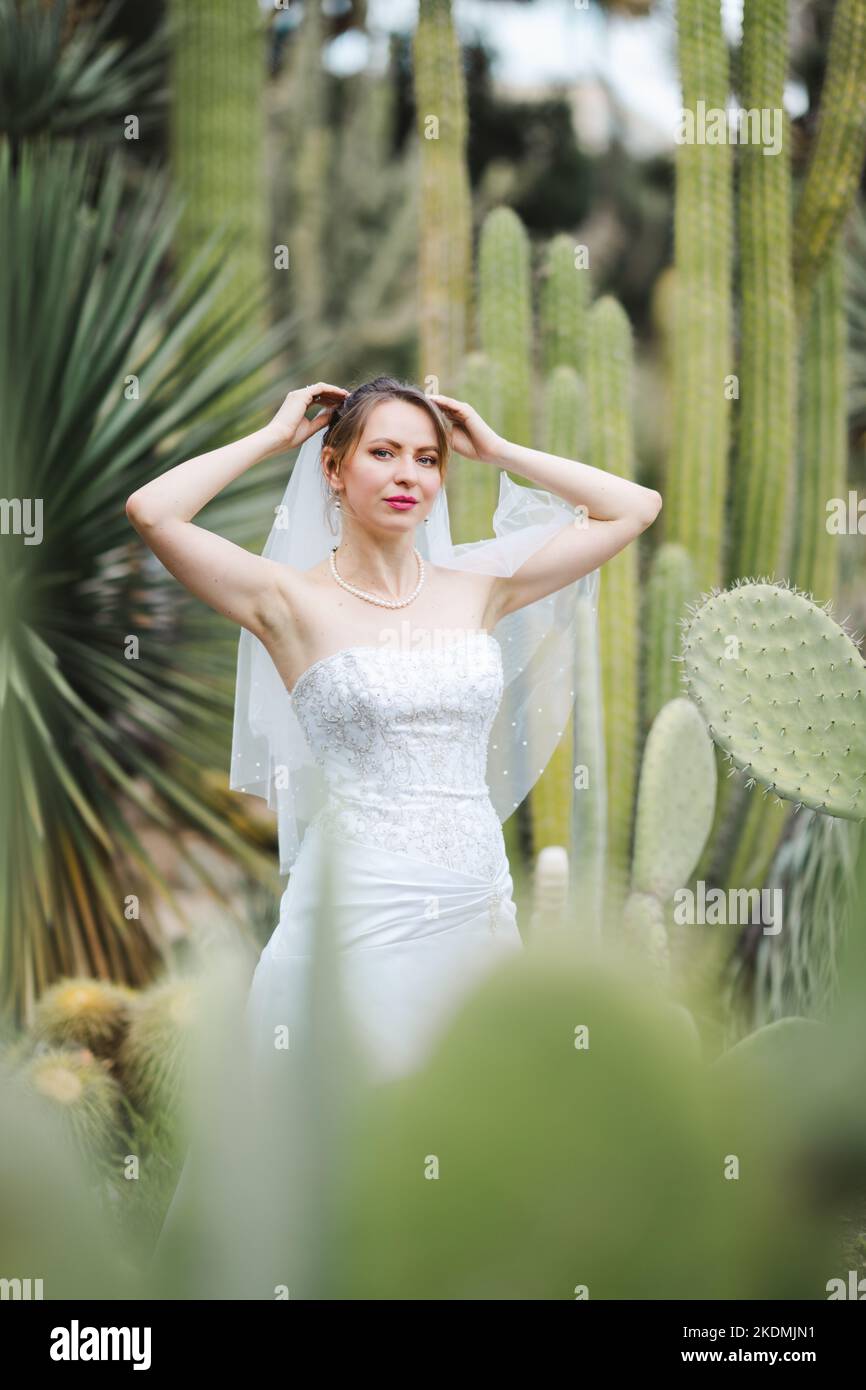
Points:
(610, 511)
(238, 584)
(601, 496)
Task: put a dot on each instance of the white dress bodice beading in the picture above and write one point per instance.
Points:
(401, 733)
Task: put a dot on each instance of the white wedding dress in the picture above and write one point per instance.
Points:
(422, 905)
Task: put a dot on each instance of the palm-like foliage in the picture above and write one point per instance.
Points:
(63, 82)
(98, 393)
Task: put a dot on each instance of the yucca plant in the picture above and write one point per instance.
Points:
(115, 688)
(62, 77)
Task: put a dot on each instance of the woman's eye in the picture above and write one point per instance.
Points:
(427, 458)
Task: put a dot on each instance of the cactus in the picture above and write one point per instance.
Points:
(217, 136)
(551, 797)
(823, 434)
(671, 586)
(78, 1087)
(505, 318)
(765, 465)
(589, 797)
(782, 688)
(92, 1013)
(154, 1051)
(830, 186)
(309, 139)
(563, 301)
(676, 799)
(609, 382)
(698, 464)
(473, 487)
(445, 229)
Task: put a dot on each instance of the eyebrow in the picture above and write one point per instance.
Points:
(426, 448)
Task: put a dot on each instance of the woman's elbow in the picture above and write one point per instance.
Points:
(656, 500)
(136, 512)
(650, 506)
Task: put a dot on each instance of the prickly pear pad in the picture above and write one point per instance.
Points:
(782, 688)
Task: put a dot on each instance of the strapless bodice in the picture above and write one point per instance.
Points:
(401, 733)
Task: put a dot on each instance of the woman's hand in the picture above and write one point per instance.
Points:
(471, 436)
(290, 424)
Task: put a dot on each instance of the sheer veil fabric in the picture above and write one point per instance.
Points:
(545, 648)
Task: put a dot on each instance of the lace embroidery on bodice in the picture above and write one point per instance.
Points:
(401, 735)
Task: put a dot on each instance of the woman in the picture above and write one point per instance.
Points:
(370, 682)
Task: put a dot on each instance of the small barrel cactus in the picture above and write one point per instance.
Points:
(84, 1011)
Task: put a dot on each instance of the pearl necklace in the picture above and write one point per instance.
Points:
(372, 598)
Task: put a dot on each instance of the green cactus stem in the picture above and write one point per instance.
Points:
(445, 228)
(765, 466)
(611, 448)
(670, 587)
(564, 298)
(830, 186)
(823, 459)
(505, 318)
(676, 797)
(703, 353)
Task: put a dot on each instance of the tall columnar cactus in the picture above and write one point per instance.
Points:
(505, 317)
(473, 492)
(445, 228)
(823, 442)
(697, 469)
(782, 688)
(837, 158)
(308, 144)
(611, 448)
(551, 797)
(505, 331)
(764, 472)
(473, 487)
(589, 802)
(670, 587)
(564, 299)
(676, 798)
(217, 136)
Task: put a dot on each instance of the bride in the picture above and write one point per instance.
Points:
(397, 695)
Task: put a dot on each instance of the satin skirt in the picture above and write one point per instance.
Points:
(412, 939)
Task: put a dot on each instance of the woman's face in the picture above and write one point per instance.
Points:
(396, 456)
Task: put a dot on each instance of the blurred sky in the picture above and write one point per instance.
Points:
(559, 43)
